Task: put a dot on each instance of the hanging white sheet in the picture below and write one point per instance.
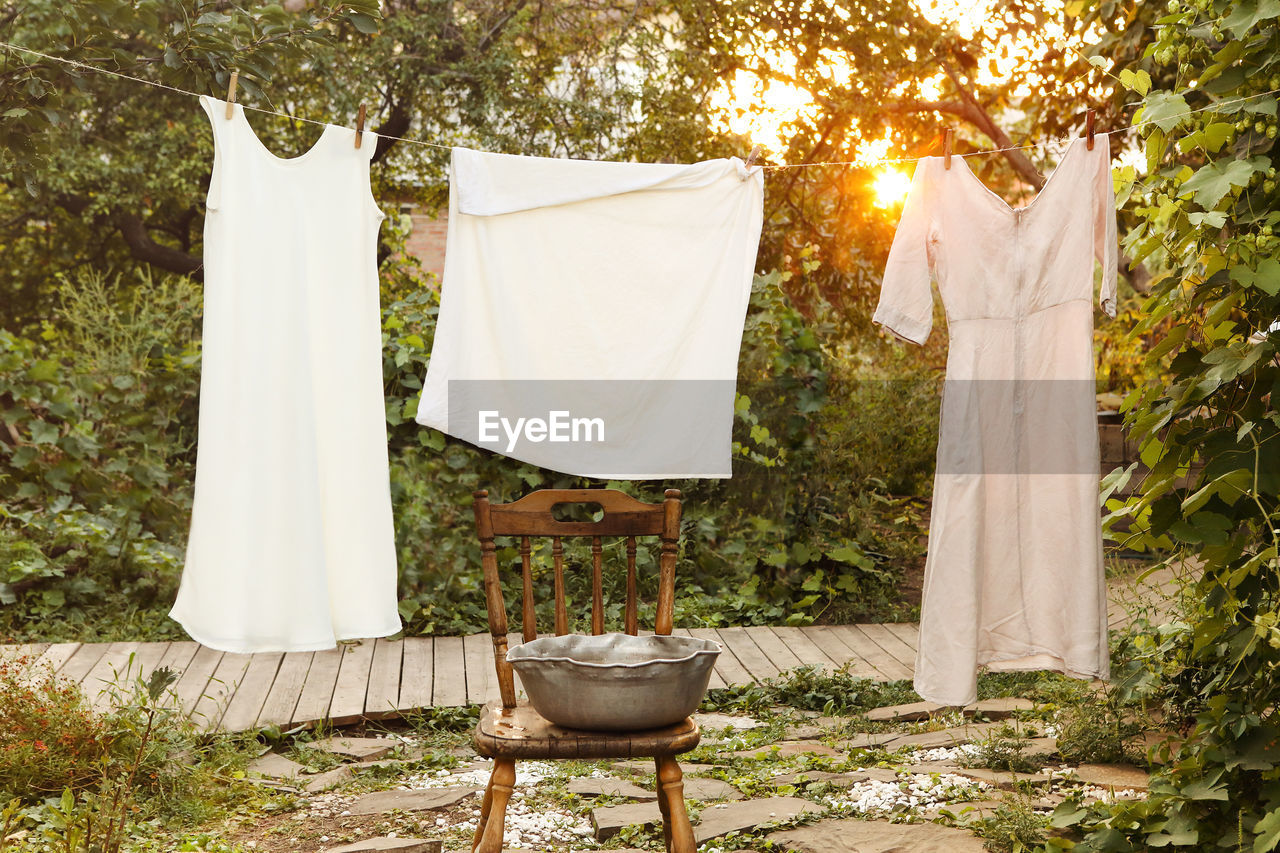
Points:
(591, 312)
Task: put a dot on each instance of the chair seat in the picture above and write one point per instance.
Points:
(521, 732)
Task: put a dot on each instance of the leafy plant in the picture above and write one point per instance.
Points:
(1205, 212)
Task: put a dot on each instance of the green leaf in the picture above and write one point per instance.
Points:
(1267, 833)
(1211, 137)
(1216, 179)
(366, 24)
(1265, 278)
(1248, 13)
(43, 433)
(1138, 81)
(1166, 110)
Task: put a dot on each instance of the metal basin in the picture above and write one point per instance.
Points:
(615, 682)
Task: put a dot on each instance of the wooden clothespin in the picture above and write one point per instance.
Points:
(231, 94)
(756, 151)
(360, 124)
(946, 147)
(1089, 119)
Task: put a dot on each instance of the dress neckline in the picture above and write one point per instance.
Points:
(1071, 147)
(283, 161)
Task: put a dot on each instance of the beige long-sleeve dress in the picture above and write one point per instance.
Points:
(1014, 577)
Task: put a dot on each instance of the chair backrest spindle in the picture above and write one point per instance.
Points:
(623, 516)
(529, 614)
(597, 586)
(631, 625)
(562, 615)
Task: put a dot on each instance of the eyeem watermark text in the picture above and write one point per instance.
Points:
(559, 426)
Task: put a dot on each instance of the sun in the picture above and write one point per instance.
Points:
(890, 187)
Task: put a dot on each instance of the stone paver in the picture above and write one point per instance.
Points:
(996, 778)
(610, 820)
(273, 765)
(945, 737)
(965, 812)
(914, 712)
(871, 740)
(400, 845)
(328, 779)
(840, 780)
(748, 814)
(1040, 747)
(360, 748)
(704, 789)
(787, 748)
(876, 836)
(999, 709)
(724, 721)
(910, 713)
(1114, 776)
(410, 801)
(601, 787)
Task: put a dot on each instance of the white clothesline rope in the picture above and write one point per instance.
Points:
(854, 163)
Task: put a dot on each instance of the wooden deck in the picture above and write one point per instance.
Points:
(377, 679)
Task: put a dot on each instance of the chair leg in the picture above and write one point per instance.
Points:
(662, 808)
(678, 830)
(485, 805)
(493, 811)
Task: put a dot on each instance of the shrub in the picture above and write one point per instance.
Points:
(50, 740)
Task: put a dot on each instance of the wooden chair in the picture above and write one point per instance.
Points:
(511, 729)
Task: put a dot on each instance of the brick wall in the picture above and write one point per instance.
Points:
(426, 241)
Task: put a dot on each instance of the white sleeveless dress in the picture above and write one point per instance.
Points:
(292, 545)
(1014, 578)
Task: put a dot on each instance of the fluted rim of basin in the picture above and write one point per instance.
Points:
(523, 653)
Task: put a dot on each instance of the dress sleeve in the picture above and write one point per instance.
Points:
(906, 300)
(1105, 243)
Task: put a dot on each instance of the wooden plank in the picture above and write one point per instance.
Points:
(482, 679)
(887, 665)
(29, 652)
(177, 656)
(317, 693)
(748, 653)
(282, 698)
(82, 660)
(835, 648)
(715, 682)
(774, 649)
(450, 690)
(887, 640)
(803, 648)
(908, 633)
(384, 679)
(145, 661)
(353, 683)
(218, 692)
(195, 678)
(56, 656)
(110, 675)
(417, 671)
(727, 667)
(251, 692)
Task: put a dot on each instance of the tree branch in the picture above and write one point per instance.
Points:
(147, 250)
(971, 111)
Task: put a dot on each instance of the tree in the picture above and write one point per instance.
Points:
(107, 173)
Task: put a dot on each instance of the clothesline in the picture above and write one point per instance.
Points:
(853, 163)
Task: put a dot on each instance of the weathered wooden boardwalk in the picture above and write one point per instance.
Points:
(377, 679)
